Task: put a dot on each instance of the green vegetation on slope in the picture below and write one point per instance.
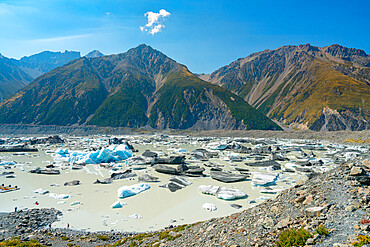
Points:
(183, 89)
(123, 109)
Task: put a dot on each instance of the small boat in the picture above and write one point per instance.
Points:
(9, 188)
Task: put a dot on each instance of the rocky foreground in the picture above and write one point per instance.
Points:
(333, 208)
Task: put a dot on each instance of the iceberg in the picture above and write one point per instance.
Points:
(222, 192)
(136, 216)
(118, 204)
(7, 163)
(131, 190)
(40, 191)
(112, 153)
(261, 179)
(209, 207)
(75, 203)
(59, 196)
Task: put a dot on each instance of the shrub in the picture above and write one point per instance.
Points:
(362, 240)
(293, 237)
(17, 243)
(321, 230)
(102, 237)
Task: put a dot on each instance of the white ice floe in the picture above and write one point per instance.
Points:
(40, 191)
(113, 153)
(118, 204)
(75, 203)
(261, 179)
(131, 190)
(136, 216)
(209, 207)
(222, 192)
(59, 196)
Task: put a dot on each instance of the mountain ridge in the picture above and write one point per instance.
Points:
(142, 87)
(282, 84)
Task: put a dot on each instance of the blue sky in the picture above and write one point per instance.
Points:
(204, 35)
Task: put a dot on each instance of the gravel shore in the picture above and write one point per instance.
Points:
(339, 200)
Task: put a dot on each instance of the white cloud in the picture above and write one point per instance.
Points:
(62, 38)
(155, 21)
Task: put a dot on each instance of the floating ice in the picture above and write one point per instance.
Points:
(113, 153)
(131, 190)
(222, 192)
(40, 191)
(261, 179)
(209, 207)
(59, 196)
(118, 204)
(75, 203)
(7, 163)
(136, 216)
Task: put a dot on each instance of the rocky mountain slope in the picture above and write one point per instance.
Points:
(332, 208)
(141, 87)
(320, 88)
(15, 74)
(12, 78)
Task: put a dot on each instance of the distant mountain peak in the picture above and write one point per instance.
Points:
(341, 51)
(94, 54)
(142, 49)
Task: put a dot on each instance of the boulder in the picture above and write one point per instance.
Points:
(279, 157)
(148, 178)
(72, 183)
(314, 211)
(149, 154)
(166, 169)
(265, 163)
(104, 181)
(45, 171)
(227, 177)
(356, 171)
(170, 160)
(176, 183)
(364, 179)
(182, 169)
(49, 140)
(366, 164)
(237, 206)
(194, 171)
(308, 200)
(121, 175)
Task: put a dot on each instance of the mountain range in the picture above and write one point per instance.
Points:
(43, 62)
(12, 78)
(301, 87)
(15, 74)
(139, 88)
(304, 87)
